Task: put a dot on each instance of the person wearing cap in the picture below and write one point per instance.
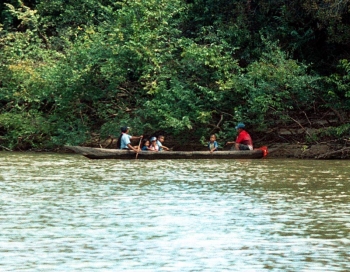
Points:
(243, 140)
(153, 146)
(124, 141)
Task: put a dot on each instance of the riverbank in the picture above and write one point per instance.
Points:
(327, 150)
(303, 151)
(330, 150)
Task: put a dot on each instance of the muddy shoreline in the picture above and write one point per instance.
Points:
(302, 151)
(275, 150)
(278, 150)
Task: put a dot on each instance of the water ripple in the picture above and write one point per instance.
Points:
(67, 213)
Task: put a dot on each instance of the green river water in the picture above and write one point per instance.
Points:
(63, 212)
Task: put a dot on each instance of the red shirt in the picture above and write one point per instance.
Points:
(244, 138)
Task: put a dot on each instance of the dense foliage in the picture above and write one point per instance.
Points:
(71, 70)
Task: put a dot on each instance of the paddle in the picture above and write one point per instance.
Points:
(138, 148)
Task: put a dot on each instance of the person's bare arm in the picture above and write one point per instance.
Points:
(136, 137)
(135, 149)
(165, 148)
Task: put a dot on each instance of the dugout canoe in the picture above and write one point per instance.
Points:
(103, 153)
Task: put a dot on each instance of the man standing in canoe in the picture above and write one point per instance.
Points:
(124, 141)
(243, 140)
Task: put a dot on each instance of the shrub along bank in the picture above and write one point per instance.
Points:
(72, 72)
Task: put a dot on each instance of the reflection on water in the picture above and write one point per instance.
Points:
(68, 213)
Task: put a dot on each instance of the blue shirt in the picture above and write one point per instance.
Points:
(125, 140)
(213, 145)
(159, 145)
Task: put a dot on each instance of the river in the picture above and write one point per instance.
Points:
(63, 212)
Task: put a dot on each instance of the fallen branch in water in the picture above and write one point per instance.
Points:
(7, 149)
(328, 154)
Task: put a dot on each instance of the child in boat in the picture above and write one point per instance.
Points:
(160, 141)
(153, 146)
(145, 145)
(212, 144)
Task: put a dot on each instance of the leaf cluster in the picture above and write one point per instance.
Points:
(73, 69)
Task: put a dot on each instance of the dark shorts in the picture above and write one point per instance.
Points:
(241, 147)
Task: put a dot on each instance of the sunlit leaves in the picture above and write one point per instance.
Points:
(275, 85)
(183, 67)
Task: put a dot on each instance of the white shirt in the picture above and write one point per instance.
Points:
(125, 140)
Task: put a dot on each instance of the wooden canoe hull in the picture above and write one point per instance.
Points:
(102, 153)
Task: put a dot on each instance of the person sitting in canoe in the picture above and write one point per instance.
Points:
(145, 145)
(160, 141)
(153, 146)
(243, 140)
(124, 140)
(212, 144)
